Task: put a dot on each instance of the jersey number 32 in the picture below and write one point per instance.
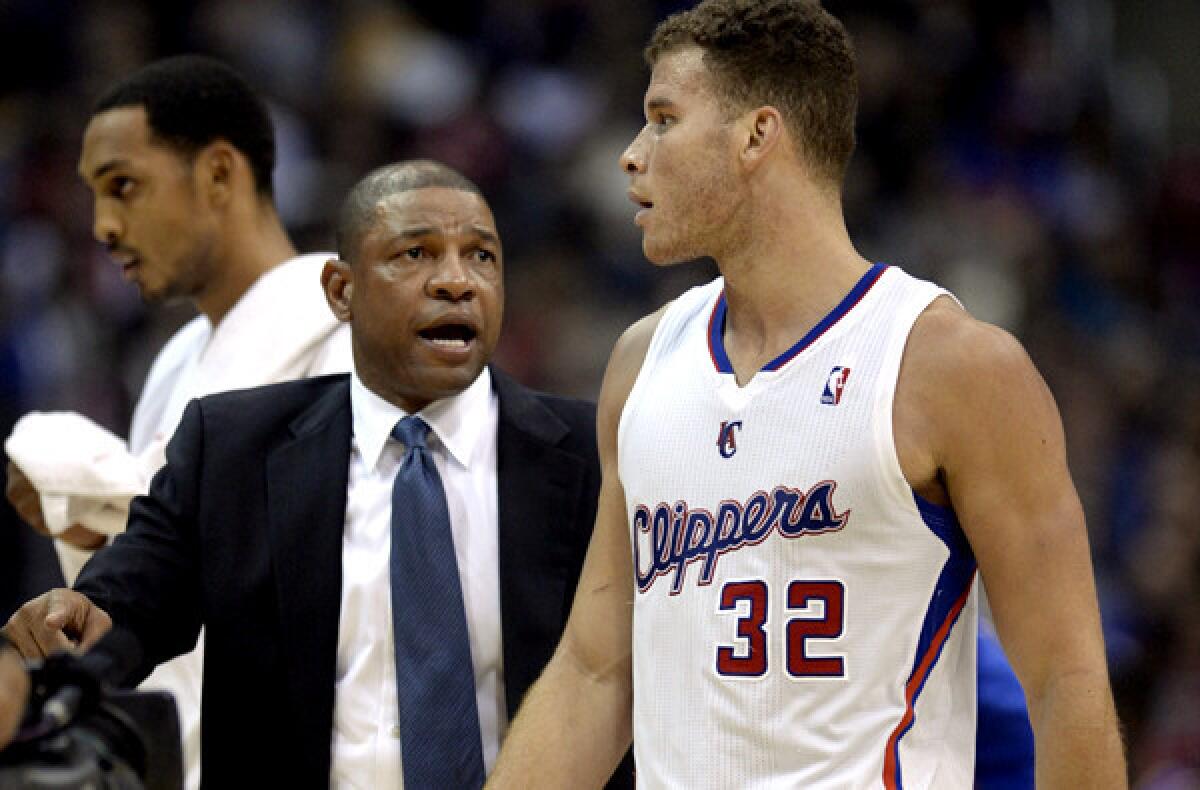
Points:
(820, 608)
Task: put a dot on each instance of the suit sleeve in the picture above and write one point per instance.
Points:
(148, 580)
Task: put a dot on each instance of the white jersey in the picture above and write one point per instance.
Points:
(801, 619)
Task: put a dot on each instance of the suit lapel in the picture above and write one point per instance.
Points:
(539, 487)
(306, 496)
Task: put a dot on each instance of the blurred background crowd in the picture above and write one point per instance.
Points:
(1040, 158)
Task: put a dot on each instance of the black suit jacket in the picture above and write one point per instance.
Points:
(241, 532)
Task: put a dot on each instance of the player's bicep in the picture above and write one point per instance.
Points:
(1005, 469)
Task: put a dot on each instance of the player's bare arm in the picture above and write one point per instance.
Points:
(976, 425)
(576, 721)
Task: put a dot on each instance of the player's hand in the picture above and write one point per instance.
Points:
(24, 499)
(14, 691)
(61, 619)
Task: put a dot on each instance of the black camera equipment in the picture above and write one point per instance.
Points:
(81, 732)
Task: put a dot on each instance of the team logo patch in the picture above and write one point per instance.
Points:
(835, 385)
(727, 438)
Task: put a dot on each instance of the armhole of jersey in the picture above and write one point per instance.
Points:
(677, 313)
(652, 350)
(891, 475)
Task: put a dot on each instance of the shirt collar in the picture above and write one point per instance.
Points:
(455, 421)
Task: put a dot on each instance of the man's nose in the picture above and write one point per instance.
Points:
(451, 279)
(106, 228)
(633, 159)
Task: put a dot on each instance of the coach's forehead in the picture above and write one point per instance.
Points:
(431, 210)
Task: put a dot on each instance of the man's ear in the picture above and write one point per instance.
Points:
(337, 280)
(763, 131)
(216, 166)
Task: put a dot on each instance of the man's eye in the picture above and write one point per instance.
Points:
(120, 186)
(485, 256)
(414, 253)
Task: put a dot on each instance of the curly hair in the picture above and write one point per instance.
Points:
(192, 100)
(791, 54)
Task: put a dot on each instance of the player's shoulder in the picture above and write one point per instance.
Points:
(633, 343)
(956, 364)
(628, 354)
(673, 317)
(187, 342)
(948, 342)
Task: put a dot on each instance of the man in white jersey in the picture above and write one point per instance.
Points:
(179, 157)
(806, 461)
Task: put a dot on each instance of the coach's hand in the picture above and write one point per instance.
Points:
(24, 499)
(14, 691)
(61, 619)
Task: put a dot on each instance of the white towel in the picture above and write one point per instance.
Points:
(83, 473)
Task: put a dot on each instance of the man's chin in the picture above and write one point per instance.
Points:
(151, 296)
(160, 297)
(156, 292)
(664, 255)
(449, 380)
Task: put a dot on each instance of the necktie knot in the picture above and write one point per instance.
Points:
(411, 432)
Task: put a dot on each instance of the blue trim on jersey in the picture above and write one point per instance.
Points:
(957, 573)
(955, 579)
(716, 329)
(716, 324)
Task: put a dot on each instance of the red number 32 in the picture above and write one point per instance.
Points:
(749, 659)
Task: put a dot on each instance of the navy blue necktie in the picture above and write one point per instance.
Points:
(435, 679)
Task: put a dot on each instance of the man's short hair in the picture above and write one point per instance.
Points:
(358, 209)
(191, 101)
(790, 54)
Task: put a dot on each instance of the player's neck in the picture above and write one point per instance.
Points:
(253, 245)
(789, 273)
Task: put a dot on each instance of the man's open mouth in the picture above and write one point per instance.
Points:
(449, 336)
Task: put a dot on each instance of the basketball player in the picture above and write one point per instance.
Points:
(809, 461)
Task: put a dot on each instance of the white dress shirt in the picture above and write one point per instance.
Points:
(462, 441)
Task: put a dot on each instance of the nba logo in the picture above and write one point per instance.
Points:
(726, 439)
(834, 385)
